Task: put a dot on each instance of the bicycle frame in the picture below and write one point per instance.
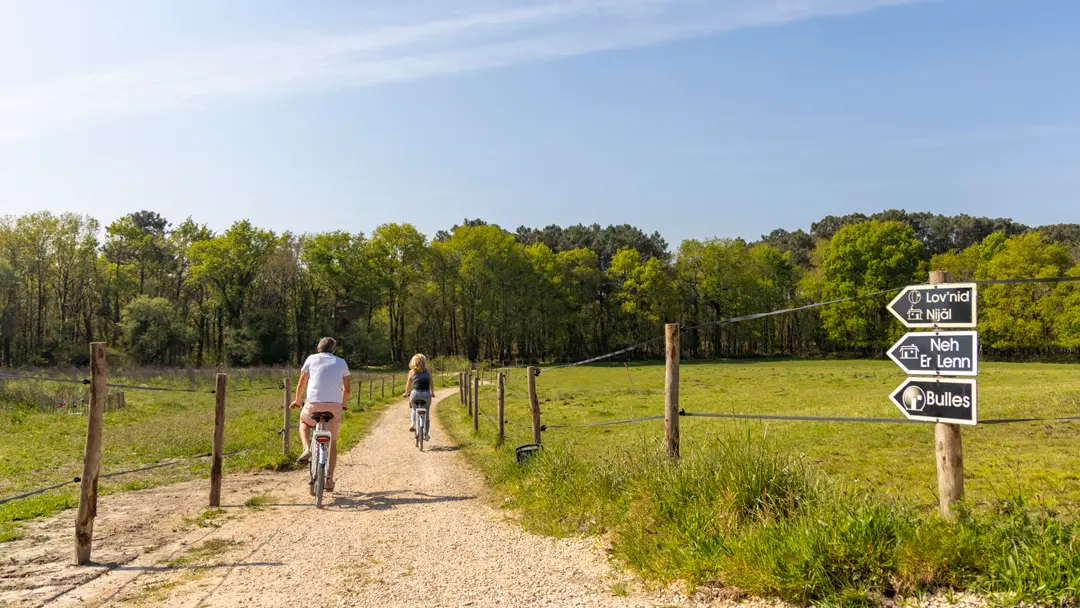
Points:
(320, 461)
(421, 425)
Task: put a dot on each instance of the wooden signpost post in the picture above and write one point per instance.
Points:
(947, 402)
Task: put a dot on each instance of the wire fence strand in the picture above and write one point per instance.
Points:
(134, 387)
(794, 418)
(159, 465)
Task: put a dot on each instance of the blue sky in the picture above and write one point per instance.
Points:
(696, 118)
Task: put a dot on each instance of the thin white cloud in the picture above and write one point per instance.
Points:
(989, 137)
(483, 40)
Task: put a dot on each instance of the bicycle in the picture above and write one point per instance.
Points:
(420, 406)
(320, 456)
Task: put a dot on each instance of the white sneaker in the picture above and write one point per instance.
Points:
(305, 457)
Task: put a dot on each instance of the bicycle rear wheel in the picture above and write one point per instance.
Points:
(313, 465)
(420, 432)
(320, 476)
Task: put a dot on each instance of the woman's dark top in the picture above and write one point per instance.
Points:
(421, 381)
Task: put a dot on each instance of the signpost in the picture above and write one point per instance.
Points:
(948, 305)
(949, 353)
(950, 401)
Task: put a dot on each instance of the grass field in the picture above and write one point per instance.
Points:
(1040, 459)
(811, 512)
(39, 449)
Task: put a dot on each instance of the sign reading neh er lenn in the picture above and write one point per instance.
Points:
(938, 353)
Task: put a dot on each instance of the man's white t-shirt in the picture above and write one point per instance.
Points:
(326, 372)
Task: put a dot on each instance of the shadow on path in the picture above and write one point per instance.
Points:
(444, 448)
(382, 501)
(199, 566)
(374, 501)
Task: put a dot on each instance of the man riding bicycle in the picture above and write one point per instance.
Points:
(325, 378)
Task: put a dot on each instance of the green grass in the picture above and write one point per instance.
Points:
(38, 449)
(201, 554)
(260, 501)
(832, 514)
(1038, 458)
(211, 518)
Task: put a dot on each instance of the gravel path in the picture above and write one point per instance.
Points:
(405, 528)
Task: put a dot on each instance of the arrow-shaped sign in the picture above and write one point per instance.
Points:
(951, 400)
(945, 305)
(938, 353)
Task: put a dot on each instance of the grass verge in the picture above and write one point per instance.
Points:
(741, 510)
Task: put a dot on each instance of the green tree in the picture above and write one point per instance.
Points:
(152, 332)
(646, 292)
(398, 252)
(230, 263)
(863, 259)
(1021, 317)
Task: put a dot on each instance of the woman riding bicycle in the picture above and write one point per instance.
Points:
(418, 389)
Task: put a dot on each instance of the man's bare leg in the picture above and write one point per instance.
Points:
(305, 439)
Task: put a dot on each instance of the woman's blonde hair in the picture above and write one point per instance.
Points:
(418, 363)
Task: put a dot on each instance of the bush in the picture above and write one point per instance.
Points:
(151, 330)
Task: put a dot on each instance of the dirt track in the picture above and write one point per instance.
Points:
(404, 529)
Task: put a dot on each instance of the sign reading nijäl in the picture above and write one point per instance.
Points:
(946, 305)
(953, 400)
(937, 353)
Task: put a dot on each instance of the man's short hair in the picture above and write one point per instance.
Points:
(327, 345)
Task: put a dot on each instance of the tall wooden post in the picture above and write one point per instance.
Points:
(501, 407)
(393, 385)
(84, 520)
(671, 390)
(219, 440)
(287, 423)
(370, 391)
(534, 405)
(468, 393)
(461, 387)
(359, 391)
(476, 405)
(382, 386)
(947, 445)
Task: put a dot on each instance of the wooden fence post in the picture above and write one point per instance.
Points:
(219, 440)
(359, 391)
(382, 386)
(84, 520)
(534, 405)
(499, 403)
(476, 405)
(393, 385)
(671, 390)
(370, 391)
(468, 393)
(947, 445)
(287, 424)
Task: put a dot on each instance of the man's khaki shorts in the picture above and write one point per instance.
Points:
(333, 408)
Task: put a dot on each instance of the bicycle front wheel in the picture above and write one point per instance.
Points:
(320, 477)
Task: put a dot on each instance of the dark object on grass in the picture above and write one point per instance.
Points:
(527, 451)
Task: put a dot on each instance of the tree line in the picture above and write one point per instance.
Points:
(184, 295)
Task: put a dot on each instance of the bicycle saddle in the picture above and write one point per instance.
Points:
(323, 417)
